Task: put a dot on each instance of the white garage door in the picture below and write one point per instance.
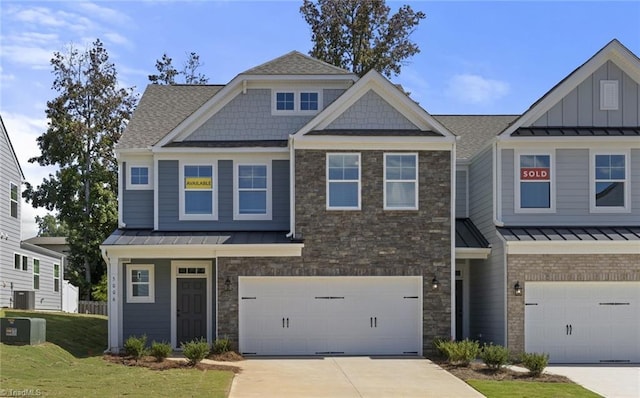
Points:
(583, 322)
(330, 315)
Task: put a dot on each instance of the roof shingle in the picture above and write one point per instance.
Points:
(296, 63)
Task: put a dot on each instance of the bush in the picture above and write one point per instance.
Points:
(195, 350)
(459, 352)
(535, 363)
(160, 350)
(220, 346)
(436, 344)
(136, 346)
(494, 356)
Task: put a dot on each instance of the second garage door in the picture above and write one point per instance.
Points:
(330, 315)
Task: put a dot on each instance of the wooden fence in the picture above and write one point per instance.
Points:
(92, 307)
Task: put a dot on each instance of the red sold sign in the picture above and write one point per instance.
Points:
(534, 173)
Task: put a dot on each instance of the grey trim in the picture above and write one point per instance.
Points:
(148, 237)
(468, 235)
(545, 234)
(577, 132)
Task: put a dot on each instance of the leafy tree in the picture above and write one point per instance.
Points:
(359, 35)
(100, 291)
(50, 226)
(167, 72)
(86, 119)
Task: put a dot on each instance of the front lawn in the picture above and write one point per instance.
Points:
(71, 364)
(530, 389)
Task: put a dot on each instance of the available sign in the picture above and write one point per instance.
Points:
(534, 173)
(198, 183)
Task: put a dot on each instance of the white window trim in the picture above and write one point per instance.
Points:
(615, 104)
(11, 201)
(415, 181)
(236, 193)
(22, 262)
(296, 101)
(56, 278)
(33, 272)
(151, 298)
(214, 210)
(359, 181)
(592, 182)
(133, 187)
(552, 183)
(14, 261)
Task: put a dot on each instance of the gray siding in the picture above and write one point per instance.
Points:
(137, 205)
(572, 192)
(169, 211)
(487, 289)
(461, 194)
(248, 117)
(371, 112)
(581, 107)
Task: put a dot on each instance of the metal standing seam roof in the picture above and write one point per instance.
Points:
(564, 233)
(148, 237)
(577, 132)
(468, 235)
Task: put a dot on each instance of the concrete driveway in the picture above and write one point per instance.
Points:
(346, 377)
(611, 381)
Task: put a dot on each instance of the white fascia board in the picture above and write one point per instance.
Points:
(203, 251)
(573, 247)
(373, 143)
(464, 253)
(132, 152)
(614, 52)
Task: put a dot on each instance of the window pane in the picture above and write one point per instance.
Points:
(36, 281)
(25, 263)
(617, 161)
(139, 175)
(253, 202)
(198, 202)
(617, 173)
(535, 195)
(527, 161)
(56, 285)
(139, 275)
(603, 161)
(401, 194)
(610, 194)
(343, 194)
(252, 177)
(56, 270)
(140, 290)
(36, 266)
(284, 101)
(400, 167)
(309, 101)
(16, 261)
(14, 192)
(198, 171)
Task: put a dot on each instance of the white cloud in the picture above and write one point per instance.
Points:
(107, 14)
(117, 38)
(46, 17)
(34, 57)
(475, 89)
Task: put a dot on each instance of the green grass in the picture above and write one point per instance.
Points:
(70, 364)
(529, 389)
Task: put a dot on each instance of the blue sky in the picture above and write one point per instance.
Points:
(476, 57)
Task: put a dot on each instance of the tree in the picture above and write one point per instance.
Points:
(50, 226)
(86, 119)
(167, 72)
(359, 35)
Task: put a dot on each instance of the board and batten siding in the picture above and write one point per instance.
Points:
(462, 198)
(169, 190)
(486, 277)
(249, 117)
(572, 192)
(137, 205)
(581, 107)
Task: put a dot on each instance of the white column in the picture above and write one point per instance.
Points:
(115, 296)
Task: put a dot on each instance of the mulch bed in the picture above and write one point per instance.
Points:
(167, 364)
(479, 371)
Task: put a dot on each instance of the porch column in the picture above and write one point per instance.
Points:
(113, 307)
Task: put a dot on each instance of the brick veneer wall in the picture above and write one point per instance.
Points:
(368, 242)
(560, 267)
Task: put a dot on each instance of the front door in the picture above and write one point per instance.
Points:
(191, 313)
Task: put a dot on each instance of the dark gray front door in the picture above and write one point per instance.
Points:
(192, 309)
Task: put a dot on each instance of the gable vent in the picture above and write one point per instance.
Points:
(608, 95)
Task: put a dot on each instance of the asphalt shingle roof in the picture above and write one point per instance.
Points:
(161, 109)
(145, 237)
(296, 63)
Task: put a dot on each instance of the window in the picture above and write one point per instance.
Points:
(16, 261)
(139, 175)
(308, 101)
(56, 277)
(401, 181)
(534, 182)
(140, 283)
(343, 181)
(25, 263)
(609, 185)
(36, 274)
(296, 102)
(197, 192)
(252, 192)
(14, 200)
(284, 101)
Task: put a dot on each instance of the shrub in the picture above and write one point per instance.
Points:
(535, 363)
(195, 350)
(160, 350)
(136, 346)
(494, 356)
(437, 341)
(220, 346)
(459, 352)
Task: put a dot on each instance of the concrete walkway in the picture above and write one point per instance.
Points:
(339, 377)
(611, 381)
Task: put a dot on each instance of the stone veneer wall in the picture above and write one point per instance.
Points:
(368, 242)
(556, 268)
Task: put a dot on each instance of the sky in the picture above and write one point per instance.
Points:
(475, 57)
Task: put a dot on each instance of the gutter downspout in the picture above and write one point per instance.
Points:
(292, 189)
(496, 184)
(453, 238)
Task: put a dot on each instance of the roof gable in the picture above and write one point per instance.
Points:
(614, 52)
(296, 63)
(5, 134)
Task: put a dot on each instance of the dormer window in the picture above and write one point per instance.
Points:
(290, 102)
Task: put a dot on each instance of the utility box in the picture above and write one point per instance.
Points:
(27, 331)
(24, 300)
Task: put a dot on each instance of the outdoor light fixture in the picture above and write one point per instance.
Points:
(435, 283)
(227, 285)
(517, 289)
